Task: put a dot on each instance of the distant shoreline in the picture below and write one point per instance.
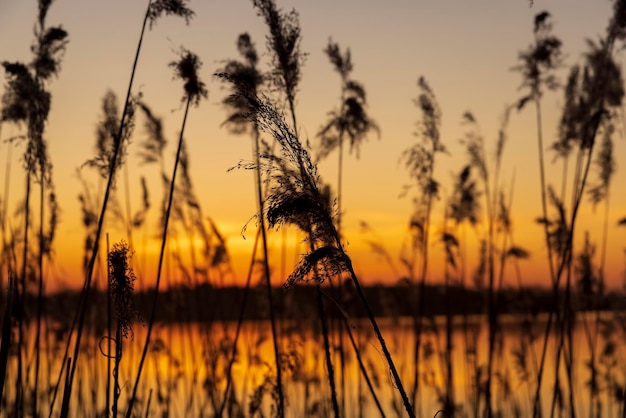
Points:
(205, 303)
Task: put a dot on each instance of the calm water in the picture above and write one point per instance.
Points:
(186, 367)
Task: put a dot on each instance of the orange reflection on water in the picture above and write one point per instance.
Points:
(187, 367)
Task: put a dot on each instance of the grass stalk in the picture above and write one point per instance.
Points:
(109, 329)
(168, 211)
(266, 271)
(19, 397)
(5, 344)
(329, 364)
(187, 70)
(40, 300)
(240, 319)
(92, 260)
(381, 340)
(359, 357)
(116, 369)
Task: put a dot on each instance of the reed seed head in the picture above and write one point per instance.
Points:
(283, 44)
(169, 8)
(186, 69)
(121, 286)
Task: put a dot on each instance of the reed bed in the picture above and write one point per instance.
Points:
(460, 345)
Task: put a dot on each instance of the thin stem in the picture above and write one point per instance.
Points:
(109, 325)
(233, 353)
(544, 211)
(381, 340)
(362, 367)
(329, 363)
(266, 270)
(5, 343)
(418, 321)
(116, 369)
(357, 353)
(144, 353)
(19, 399)
(39, 290)
(94, 254)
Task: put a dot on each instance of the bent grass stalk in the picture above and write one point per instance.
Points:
(283, 43)
(295, 198)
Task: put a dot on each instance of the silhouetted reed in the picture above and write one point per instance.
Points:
(538, 67)
(478, 202)
(185, 69)
(589, 98)
(283, 44)
(27, 100)
(420, 162)
(295, 198)
(153, 12)
(245, 75)
(121, 285)
(351, 120)
(5, 344)
(591, 285)
(464, 207)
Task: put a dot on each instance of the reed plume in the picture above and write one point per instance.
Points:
(350, 119)
(296, 197)
(420, 162)
(154, 11)
(186, 69)
(283, 45)
(26, 100)
(121, 285)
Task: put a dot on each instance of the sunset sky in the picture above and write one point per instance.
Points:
(464, 49)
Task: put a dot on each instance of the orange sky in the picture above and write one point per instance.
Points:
(465, 50)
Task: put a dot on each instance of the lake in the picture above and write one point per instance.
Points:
(185, 373)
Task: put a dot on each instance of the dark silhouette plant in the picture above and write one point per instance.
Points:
(186, 69)
(295, 197)
(351, 119)
(154, 11)
(590, 95)
(27, 100)
(283, 46)
(420, 162)
(538, 66)
(121, 280)
(245, 75)
(475, 146)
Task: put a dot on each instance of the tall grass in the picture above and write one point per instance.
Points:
(296, 198)
(27, 100)
(212, 381)
(420, 162)
(186, 69)
(588, 99)
(153, 12)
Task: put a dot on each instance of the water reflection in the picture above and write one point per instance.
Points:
(186, 371)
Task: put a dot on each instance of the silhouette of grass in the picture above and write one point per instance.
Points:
(185, 69)
(223, 380)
